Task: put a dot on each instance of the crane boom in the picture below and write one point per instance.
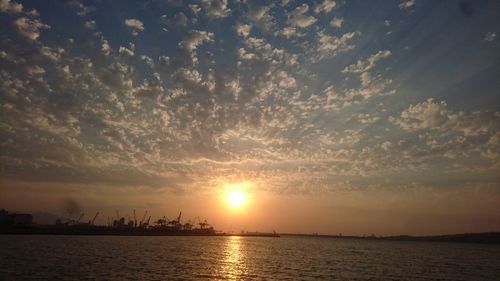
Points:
(143, 218)
(81, 216)
(93, 220)
(179, 217)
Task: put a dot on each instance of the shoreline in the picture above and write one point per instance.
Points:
(477, 238)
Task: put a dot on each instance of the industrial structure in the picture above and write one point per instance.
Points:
(118, 225)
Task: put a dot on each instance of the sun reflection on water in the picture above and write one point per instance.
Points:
(233, 265)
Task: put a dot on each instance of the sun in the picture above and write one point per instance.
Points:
(236, 198)
(237, 195)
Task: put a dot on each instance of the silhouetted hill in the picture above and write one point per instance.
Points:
(483, 238)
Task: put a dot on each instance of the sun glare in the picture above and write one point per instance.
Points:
(236, 194)
(236, 198)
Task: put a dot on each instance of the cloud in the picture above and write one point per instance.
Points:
(336, 22)
(490, 36)
(290, 31)
(135, 24)
(195, 8)
(80, 8)
(215, 9)
(105, 48)
(428, 114)
(406, 4)
(243, 29)
(246, 106)
(331, 45)
(125, 51)
(368, 119)
(29, 28)
(259, 15)
(192, 40)
(149, 61)
(325, 7)
(90, 24)
(435, 116)
(178, 19)
(298, 18)
(365, 65)
(491, 149)
(10, 7)
(53, 54)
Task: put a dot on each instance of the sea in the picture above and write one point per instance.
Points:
(38, 257)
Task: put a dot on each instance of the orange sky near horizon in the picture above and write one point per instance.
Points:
(349, 212)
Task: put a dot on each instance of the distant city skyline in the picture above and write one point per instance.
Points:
(352, 117)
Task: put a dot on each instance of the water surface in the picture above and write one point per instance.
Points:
(241, 258)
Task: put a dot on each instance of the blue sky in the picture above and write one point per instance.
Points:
(295, 98)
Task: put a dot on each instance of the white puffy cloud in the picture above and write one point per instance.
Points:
(178, 19)
(285, 80)
(148, 60)
(135, 24)
(105, 48)
(35, 70)
(185, 74)
(490, 36)
(491, 149)
(192, 40)
(11, 7)
(431, 115)
(336, 22)
(244, 55)
(52, 53)
(29, 28)
(331, 45)
(298, 17)
(90, 24)
(325, 7)
(369, 63)
(243, 29)
(406, 4)
(290, 31)
(426, 115)
(260, 16)
(215, 8)
(79, 8)
(368, 118)
(195, 8)
(125, 51)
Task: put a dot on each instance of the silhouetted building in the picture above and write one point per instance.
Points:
(7, 219)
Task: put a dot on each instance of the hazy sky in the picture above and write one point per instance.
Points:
(357, 117)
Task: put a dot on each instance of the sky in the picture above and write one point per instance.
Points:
(353, 117)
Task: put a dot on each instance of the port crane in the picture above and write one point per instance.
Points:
(143, 218)
(179, 218)
(93, 220)
(147, 222)
(135, 220)
(79, 218)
